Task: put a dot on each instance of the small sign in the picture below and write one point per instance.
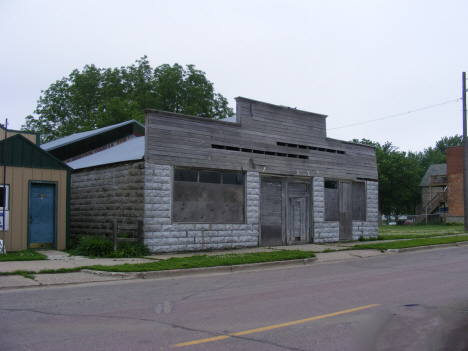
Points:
(2, 248)
(6, 221)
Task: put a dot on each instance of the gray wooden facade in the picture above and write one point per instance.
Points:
(285, 162)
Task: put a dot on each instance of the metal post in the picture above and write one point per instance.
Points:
(4, 185)
(465, 157)
(114, 234)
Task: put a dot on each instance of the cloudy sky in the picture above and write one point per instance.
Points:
(355, 61)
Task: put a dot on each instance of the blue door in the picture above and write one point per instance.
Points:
(41, 215)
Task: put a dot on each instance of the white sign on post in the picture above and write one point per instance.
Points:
(2, 248)
(6, 221)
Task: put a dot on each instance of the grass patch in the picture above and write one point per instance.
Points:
(198, 261)
(195, 261)
(25, 255)
(26, 274)
(413, 243)
(61, 270)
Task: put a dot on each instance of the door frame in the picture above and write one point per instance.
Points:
(55, 184)
(286, 208)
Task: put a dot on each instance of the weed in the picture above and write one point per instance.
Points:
(25, 255)
(26, 274)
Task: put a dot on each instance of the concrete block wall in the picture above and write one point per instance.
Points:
(324, 231)
(329, 231)
(104, 193)
(163, 236)
(369, 228)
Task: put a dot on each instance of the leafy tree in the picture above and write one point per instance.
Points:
(399, 178)
(446, 142)
(435, 155)
(96, 97)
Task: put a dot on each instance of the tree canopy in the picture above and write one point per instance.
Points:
(400, 173)
(97, 97)
(399, 178)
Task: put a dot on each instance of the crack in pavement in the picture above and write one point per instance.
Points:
(263, 341)
(213, 334)
(204, 292)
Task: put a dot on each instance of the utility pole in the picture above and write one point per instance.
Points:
(465, 157)
(4, 186)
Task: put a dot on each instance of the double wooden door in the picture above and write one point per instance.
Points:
(284, 211)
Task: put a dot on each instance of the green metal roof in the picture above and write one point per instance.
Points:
(20, 152)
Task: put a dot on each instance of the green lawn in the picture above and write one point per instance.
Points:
(400, 244)
(25, 255)
(391, 232)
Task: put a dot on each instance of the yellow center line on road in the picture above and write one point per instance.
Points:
(251, 331)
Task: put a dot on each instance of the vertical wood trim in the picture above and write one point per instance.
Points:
(285, 211)
(311, 211)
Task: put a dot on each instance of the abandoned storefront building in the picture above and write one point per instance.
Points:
(268, 176)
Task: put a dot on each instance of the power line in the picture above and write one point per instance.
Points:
(400, 114)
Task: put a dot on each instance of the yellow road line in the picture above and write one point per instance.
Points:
(251, 331)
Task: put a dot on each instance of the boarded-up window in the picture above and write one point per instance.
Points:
(214, 197)
(210, 177)
(359, 201)
(332, 200)
(185, 175)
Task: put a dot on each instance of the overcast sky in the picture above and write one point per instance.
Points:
(354, 61)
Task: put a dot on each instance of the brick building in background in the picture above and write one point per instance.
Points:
(455, 183)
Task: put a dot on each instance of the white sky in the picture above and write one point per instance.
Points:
(351, 60)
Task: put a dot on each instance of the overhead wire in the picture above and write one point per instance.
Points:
(397, 115)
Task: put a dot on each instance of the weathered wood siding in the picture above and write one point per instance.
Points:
(268, 139)
(428, 193)
(271, 211)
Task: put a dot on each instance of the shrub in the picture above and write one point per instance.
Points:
(101, 247)
(93, 246)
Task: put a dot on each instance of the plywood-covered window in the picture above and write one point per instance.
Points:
(207, 196)
(359, 201)
(333, 199)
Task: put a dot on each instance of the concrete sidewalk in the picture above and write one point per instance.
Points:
(57, 259)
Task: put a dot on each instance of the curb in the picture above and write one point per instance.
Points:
(122, 275)
(203, 270)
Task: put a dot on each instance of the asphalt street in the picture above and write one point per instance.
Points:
(407, 301)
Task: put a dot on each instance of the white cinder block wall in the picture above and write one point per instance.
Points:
(163, 236)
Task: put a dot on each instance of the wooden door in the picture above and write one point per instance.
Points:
(298, 213)
(271, 211)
